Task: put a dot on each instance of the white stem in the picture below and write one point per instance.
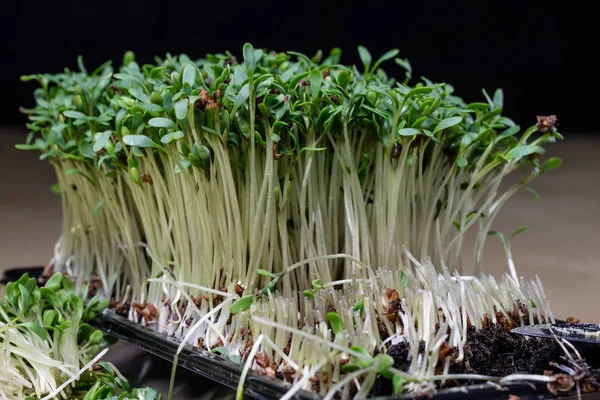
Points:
(247, 367)
(75, 376)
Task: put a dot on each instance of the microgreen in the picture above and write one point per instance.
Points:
(236, 173)
(50, 341)
(506, 243)
(337, 326)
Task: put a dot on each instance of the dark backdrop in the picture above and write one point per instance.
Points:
(543, 56)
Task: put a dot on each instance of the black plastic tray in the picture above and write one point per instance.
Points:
(202, 362)
(227, 373)
(15, 273)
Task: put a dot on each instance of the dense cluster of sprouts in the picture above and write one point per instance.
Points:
(257, 207)
(47, 347)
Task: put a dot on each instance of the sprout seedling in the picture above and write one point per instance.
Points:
(224, 177)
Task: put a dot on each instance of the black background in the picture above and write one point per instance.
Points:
(543, 56)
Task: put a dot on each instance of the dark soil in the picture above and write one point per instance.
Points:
(493, 351)
(489, 351)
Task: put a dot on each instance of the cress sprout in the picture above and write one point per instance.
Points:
(47, 347)
(285, 197)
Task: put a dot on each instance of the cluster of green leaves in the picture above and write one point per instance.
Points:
(244, 303)
(52, 311)
(108, 118)
(106, 383)
(57, 314)
(381, 364)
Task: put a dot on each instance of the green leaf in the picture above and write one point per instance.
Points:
(499, 158)
(222, 351)
(518, 230)
(96, 337)
(140, 95)
(522, 151)
(405, 64)
(365, 57)
(487, 97)
(398, 382)
(68, 284)
(242, 304)
(498, 98)
(418, 90)
(189, 75)
(50, 296)
(313, 149)
(181, 108)
(508, 132)
(249, 58)
(98, 207)
(242, 96)
(363, 362)
(551, 164)
(315, 83)
(177, 135)
(194, 159)
(403, 279)
(74, 114)
(409, 132)
(31, 285)
(533, 305)
(139, 140)
(419, 122)
(359, 305)
(101, 305)
(101, 140)
(151, 394)
(20, 146)
(37, 329)
(348, 368)
(309, 294)
(49, 317)
(56, 189)
(387, 56)
(264, 272)
(184, 163)
(23, 280)
(86, 149)
(25, 298)
(317, 284)
(500, 236)
(150, 107)
(263, 110)
(461, 162)
(54, 282)
(491, 114)
(535, 194)
(161, 123)
(166, 139)
(447, 123)
(343, 78)
(384, 363)
(336, 323)
(271, 285)
(68, 324)
(478, 106)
